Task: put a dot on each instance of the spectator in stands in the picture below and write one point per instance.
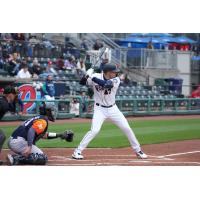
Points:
(1, 54)
(81, 69)
(50, 69)
(48, 89)
(20, 46)
(124, 79)
(29, 61)
(1, 61)
(14, 63)
(69, 45)
(74, 107)
(33, 40)
(29, 52)
(150, 45)
(149, 54)
(18, 36)
(84, 45)
(98, 45)
(7, 36)
(70, 63)
(60, 63)
(36, 68)
(1, 91)
(48, 44)
(24, 73)
(196, 93)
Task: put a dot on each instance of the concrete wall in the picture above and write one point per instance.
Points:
(184, 67)
(182, 71)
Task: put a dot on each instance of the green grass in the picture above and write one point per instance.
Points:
(147, 132)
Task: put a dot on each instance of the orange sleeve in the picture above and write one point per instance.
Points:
(39, 126)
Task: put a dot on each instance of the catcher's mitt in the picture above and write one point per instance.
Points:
(68, 135)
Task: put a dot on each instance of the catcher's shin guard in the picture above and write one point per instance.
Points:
(2, 139)
(32, 159)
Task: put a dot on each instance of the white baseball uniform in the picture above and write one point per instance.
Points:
(105, 108)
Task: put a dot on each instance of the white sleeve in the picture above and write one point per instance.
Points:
(19, 74)
(89, 80)
(29, 75)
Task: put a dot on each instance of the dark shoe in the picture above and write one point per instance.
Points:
(1, 162)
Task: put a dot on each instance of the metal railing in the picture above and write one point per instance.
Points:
(138, 58)
(128, 107)
(149, 58)
(154, 106)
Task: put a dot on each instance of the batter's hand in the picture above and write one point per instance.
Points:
(27, 151)
(89, 72)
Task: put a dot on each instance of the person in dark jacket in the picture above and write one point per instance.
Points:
(8, 98)
(13, 106)
(48, 88)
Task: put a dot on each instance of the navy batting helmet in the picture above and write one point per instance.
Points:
(110, 68)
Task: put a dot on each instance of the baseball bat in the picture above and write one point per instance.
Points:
(99, 57)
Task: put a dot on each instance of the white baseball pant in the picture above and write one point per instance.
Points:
(116, 116)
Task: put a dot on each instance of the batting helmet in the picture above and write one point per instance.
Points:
(110, 68)
(48, 110)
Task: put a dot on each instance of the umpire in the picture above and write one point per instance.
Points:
(6, 100)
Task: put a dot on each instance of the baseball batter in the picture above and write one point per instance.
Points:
(105, 86)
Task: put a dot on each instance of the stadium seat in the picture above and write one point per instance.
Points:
(132, 92)
(133, 87)
(125, 92)
(120, 92)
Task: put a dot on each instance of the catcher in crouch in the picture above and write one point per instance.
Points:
(23, 139)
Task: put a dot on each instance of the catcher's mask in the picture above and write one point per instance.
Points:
(48, 110)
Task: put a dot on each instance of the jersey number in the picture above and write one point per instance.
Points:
(107, 91)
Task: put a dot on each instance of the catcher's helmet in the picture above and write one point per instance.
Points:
(48, 110)
(110, 67)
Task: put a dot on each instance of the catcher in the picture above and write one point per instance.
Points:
(23, 139)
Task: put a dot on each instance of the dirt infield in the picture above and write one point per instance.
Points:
(182, 153)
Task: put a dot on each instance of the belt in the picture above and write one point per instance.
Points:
(105, 106)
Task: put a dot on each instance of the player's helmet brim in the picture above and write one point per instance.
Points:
(110, 68)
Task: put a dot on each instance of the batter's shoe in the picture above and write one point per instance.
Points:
(77, 155)
(141, 155)
(10, 159)
(1, 162)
